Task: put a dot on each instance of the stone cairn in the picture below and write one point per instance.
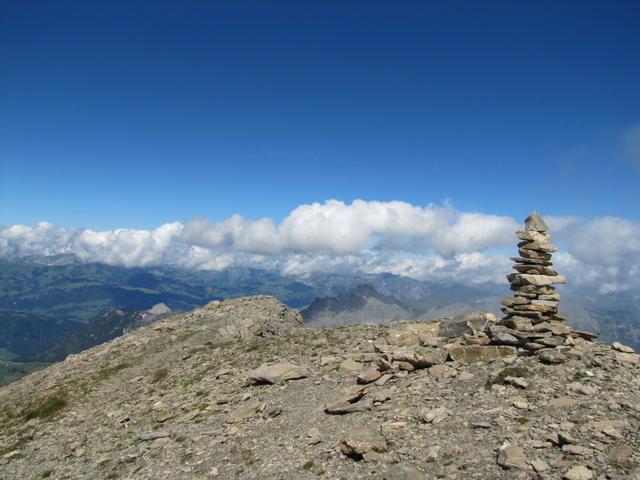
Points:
(532, 320)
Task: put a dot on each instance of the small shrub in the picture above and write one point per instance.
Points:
(580, 375)
(46, 474)
(46, 407)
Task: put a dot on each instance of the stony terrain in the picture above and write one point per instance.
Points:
(243, 389)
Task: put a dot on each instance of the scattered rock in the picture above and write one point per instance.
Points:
(369, 376)
(622, 348)
(404, 471)
(314, 436)
(276, 373)
(579, 472)
(351, 366)
(511, 456)
(246, 411)
(356, 443)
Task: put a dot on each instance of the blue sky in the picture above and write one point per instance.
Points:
(133, 114)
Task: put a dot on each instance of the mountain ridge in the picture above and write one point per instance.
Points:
(244, 389)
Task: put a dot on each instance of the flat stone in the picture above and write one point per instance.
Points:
(535, 280)
(581, 388)
(522, 313)
(537, 246)
(369, 376)
(554, 341)
(533, 236)
(419, 357)
(349, 402)
(551, 356)
(576, 450)
(480, 353)
(505, 339)
(562, 402)
(531, 261)
(579, 472)
(360, 441)
(245, 411)
(540, 466)
(522, 324)
(512, 457)
(535, 307)
(628, 358)
(375, 457)
(314, 436)
(276, 373)
(404, 471)
(535, 269)
(433, 415)
(534, 254)
(622, 348)
(516, 382)
(351, 366)
(511, 301)
(148, 437)
(548, 303)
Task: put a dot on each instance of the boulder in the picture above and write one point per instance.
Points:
(356, 443)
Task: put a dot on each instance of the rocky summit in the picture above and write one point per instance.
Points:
(243, 389)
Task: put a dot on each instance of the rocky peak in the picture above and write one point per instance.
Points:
(242, 389)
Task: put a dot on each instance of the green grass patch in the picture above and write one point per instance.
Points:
(108, 371)
(18, 444)
(580, 375)
(12, 371)
(46, 407)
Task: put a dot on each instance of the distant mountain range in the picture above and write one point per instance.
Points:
(109, 325)
(52, 306)
(362, 304)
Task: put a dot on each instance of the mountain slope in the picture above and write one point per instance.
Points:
(23, 333)
(362, 304)
(101, 329)
(181, 399)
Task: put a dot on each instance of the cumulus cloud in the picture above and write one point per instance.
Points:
(424, 242)
(341, 228)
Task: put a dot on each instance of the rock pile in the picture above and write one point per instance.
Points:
(532, 320)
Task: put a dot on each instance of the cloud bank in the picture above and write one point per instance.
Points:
(430, 242)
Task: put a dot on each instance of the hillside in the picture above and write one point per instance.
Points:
(103, 328)
(362, 304)
(189, 397)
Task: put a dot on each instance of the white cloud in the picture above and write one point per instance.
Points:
(425, 242)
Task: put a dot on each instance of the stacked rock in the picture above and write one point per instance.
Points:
(532, 320)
